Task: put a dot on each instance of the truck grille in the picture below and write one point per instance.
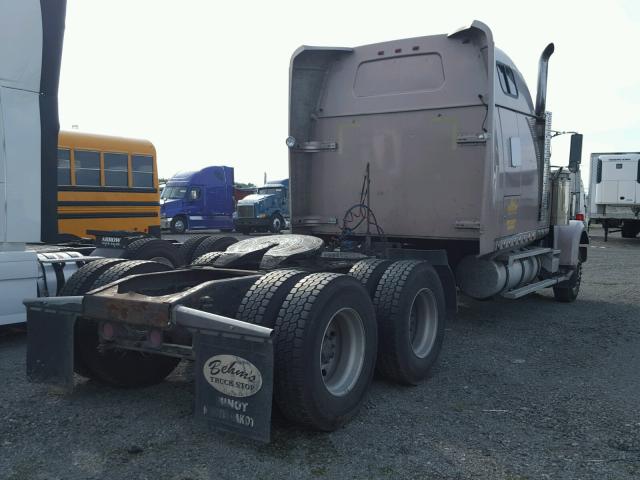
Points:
(245, 211)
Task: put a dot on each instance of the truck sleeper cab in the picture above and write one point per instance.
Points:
(453, 153)
(200, 199)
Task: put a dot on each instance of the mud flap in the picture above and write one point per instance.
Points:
(50, 325)
(233, 372)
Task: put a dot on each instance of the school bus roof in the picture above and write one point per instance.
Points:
(82, 140)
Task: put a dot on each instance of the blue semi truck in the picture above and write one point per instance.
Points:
(266, 210)
(201, 199)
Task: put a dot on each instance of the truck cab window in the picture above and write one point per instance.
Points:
(269, 191)
(173, 193)
(64, 166)
(142, 171)
(87, 168)
(507, 80)
(194, 194)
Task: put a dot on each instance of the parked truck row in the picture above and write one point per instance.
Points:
(419, 168)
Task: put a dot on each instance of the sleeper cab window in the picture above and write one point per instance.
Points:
(507, 80)
(87, 168)
(142, 171)
(64, 166)
(116, 169)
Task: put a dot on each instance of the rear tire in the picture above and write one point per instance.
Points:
(630, 229)
(325, 348)
(189, 247)
(121, 368)
(262, 302)
(154, 249)
(214, 243)
(569, 290)
(178, 225)
(78, 284)
(411, 313)
(369, 272)
(207, 259)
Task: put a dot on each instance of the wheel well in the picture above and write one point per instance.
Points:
(184, 216)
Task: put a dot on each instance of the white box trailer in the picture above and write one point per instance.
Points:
(615, 192)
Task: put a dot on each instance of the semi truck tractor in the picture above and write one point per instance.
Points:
(265, 210)
(419, 169)
(201, 199)
(614, 192)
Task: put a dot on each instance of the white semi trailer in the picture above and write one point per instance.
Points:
(614, 192)
(409, 160)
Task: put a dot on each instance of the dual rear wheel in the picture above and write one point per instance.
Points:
(331, 332)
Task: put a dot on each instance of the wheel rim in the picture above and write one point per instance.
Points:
(163, 260)
(276, 224)
(423, 322)
(179, 225)
(342, 352)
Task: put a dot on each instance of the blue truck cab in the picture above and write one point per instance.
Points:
(201, 199)
(266, 210)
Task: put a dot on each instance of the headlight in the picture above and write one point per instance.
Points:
(262, 215)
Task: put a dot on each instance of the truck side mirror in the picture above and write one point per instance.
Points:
(575, 152)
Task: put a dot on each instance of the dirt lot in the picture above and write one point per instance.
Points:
(525, 389)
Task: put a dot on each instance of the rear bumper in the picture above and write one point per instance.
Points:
(224, 401)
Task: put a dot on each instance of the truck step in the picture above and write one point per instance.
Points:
(534, 287)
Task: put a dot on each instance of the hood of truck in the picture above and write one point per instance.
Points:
(255, 198)
(169, 207)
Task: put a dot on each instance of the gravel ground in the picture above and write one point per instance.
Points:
(527, 389)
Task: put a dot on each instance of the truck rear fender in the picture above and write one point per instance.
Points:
(584, 245)
(572, 241)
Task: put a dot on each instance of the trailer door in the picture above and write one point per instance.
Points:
(618, 180)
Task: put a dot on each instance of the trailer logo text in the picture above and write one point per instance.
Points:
(232, 375)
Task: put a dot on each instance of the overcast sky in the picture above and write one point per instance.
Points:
(207, 81)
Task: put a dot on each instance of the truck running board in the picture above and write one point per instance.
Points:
(534, 287)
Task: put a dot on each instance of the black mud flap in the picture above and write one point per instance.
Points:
(233, 372)
(50, 324)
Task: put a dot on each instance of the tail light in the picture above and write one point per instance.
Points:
(580, 216)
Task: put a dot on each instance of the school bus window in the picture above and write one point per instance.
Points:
(116, 171)
(87, 168)
(142, 170)
(64, 166)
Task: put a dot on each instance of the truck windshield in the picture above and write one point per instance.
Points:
(173, 193)
(269, 190)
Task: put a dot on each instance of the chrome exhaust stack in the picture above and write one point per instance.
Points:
(543, 69)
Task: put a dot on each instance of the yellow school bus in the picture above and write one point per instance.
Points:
(106, 183)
